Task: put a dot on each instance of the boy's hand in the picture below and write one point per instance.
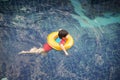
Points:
(66, 54)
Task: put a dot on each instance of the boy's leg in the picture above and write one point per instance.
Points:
(45, 49)
(33, 51)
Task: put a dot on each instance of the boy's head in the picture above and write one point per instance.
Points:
(62, 33)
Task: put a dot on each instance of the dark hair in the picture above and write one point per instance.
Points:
(62, 33)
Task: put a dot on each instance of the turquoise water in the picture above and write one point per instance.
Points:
(97, 21)
(94, 28)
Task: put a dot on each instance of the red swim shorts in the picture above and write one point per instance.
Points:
(47, 47)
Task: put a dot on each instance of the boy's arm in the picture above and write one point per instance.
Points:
(63, 48)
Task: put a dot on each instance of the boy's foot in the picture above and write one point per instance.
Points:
(23, 52)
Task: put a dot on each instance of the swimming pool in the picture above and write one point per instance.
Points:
(93, 25)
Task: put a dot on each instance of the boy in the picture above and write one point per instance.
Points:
(62, 34)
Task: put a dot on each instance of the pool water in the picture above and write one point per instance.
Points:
(93, 24)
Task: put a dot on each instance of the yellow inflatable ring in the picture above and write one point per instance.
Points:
(51, 41)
